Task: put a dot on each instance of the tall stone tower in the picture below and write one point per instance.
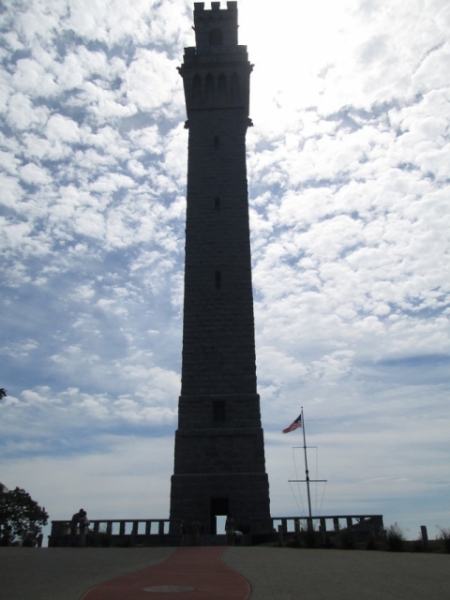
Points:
(219, 445)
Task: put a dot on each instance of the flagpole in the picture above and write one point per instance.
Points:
(306, 465)
(300, 422)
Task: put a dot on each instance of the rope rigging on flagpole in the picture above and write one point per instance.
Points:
(302, 509)
(300, 423)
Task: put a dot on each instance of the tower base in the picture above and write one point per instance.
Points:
(204, 497)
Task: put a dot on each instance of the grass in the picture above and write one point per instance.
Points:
(395, 539)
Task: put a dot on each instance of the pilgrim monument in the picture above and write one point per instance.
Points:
(219, 465)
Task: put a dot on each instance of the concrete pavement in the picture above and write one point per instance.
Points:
(273, 573)
(292, 574)
(67, 573)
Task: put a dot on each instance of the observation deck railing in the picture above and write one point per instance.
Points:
(166, 532)
(280, 528)
(118, 532)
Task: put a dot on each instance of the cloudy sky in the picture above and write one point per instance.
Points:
(348, 166)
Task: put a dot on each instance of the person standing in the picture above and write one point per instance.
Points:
(230, 526)
(238, 535)
(184, 533)
(74, 526)
(196, 527)
(84, 524)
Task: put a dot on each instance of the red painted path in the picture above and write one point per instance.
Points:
(189, 574)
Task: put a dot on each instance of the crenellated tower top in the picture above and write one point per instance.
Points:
(217, 28)
(216, 71)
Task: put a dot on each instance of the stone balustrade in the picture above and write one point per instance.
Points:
(160, 532)
(363, 526)
(118, 532)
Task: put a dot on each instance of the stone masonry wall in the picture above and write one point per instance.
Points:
(218, 334)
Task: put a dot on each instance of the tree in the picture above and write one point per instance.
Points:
(2, 393)
(21, 517)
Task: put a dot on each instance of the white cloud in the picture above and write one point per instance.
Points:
(147, 139)
(62, 129)
(20, 349)
(111, 183)
(152, 80)
(31, 77)
(348, 172)
(22, 114)
(31, 173)
(11, 191)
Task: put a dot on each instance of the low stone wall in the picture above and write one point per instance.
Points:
(117, 533)
(163, 532)
(278, 529)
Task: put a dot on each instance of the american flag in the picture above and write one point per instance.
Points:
(294, 425)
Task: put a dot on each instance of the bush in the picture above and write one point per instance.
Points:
(293, 542)
(308, 538)
(328, 541)
(371, 543)
(394, 538)
(346, 540)
(417, 545)
(104, 539)
(445, 538)
(123, 543)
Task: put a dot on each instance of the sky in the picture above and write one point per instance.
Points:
(348, 169)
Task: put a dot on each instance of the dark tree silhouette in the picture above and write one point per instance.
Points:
(2, 393)
(21, 517)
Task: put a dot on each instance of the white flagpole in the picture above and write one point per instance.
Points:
(306, 466)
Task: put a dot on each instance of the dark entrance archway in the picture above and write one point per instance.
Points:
(219, 508)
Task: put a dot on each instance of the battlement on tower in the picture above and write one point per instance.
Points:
(215, 6)
(216, 71)
(216, 27)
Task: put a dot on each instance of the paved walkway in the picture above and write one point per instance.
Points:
(266, 574)
(198, 571)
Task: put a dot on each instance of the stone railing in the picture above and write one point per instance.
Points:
(279, 528)
(166, 532)
(118, 532)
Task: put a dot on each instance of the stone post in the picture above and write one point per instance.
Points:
(424, 533)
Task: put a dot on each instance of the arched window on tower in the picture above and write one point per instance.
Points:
(209, 89)
(222, 93)
(235, 90)
(197, 90)
(216, 37)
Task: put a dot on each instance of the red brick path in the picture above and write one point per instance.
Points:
(197, 568)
